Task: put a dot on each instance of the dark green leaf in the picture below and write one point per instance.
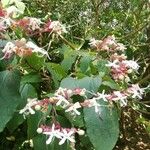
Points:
(69, 59)
(31, 78)
(26, 91)
(9, 95)
(57, 72)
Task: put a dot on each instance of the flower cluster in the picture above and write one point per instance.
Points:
(62, 98)
(28, 24)
(28, 109)
(5, 20)
(56, 131)
(55, 27)
(121, 67)
(9, 12)
(133, 91)
(107, 44)
(22, 48)
(65, 101)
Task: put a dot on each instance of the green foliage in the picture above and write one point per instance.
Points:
(26, 73)
(90, 83)
(9, 95)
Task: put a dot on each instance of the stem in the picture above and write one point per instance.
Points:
(67, 42)
(135, 31)
(144, 79)
(96, 9)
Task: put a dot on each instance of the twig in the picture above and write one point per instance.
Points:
(144, 79)
(67, 42)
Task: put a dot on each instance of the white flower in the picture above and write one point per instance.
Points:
(67, 136)
(131, 64)
(113, 64)
(102, 96)
(28, 108)
(69, 93)
(13, 1)
(120, 47)
(37, 107)
(37, 49)
(74, 108)
(110, 40)
(94, 42)
(83, 91)
(120, 97)
(136, 91)
(62, 101)
(34, 23)
(31, 143)
(8, 50)
(61, 91)
(5, 22)
(12, 10)
(52, 134)
(94, 103)
(57, 27)
(79, 91)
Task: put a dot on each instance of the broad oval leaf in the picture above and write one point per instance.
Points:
(102, 127)
(89, 83)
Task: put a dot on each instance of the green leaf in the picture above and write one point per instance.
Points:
(26, 91)
(84, 63)
(69, 83)
(3, 43)
(54, 145)
(39, 142)
(31, 78)
(57, 72)
(102, 128)
(69, 59)
(112, 84)
(34, 62)
(33, 122)
(9, 95)
(76, 121)
(99, 127)
(101, 66)
(89, 83)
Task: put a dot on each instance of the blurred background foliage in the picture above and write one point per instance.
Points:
(128, 20)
